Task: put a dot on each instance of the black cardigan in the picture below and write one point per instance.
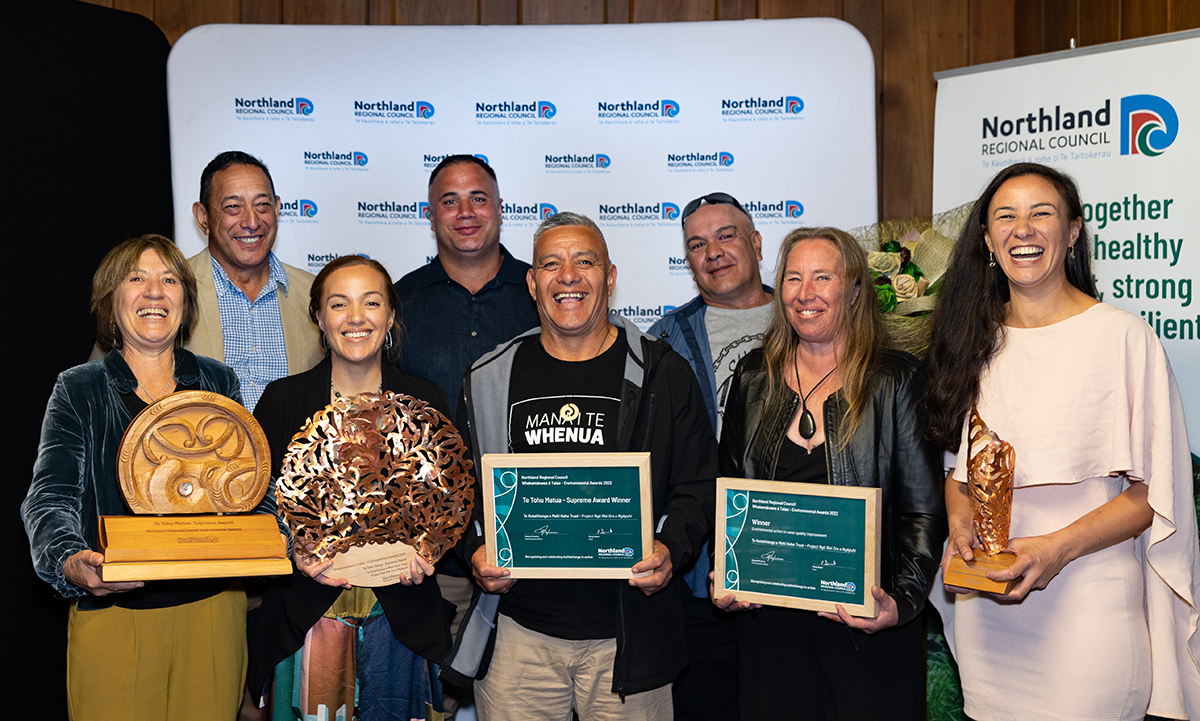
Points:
(293, 604)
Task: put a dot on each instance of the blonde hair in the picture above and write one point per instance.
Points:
(859, 326)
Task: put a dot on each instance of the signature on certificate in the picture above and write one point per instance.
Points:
(602, 532)
(770, 556)
(824, 564)
(545, 531)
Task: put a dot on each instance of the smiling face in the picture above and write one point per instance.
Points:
(813, 290)
(1029, 231)
(354, 314)
(241, 219)
(148, 305)
(571, 281)
(723, 254)
(464, 210)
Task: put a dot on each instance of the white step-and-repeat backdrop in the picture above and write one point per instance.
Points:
(1123, 120)
(623, 123)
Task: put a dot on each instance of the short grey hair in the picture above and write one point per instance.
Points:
(566, 219)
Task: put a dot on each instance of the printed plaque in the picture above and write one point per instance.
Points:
(567, 515)
(799, 545)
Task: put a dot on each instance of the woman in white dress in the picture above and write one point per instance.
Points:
(1101, 623)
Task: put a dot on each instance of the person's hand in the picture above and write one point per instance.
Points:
(889, 614)
(418, 570)
(316, 571)
(492, 579)
(961, 542)
(1039, 559)
(728, 602)
(83, 569)
(658, 568)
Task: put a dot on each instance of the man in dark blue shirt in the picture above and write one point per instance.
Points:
(470, 298)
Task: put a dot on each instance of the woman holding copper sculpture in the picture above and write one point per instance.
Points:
(162, 649)
(338, 644)
(1101, 622)
(824, 402)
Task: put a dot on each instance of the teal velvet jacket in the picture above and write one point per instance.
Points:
(75, 475)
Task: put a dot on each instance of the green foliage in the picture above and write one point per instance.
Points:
(943, 690)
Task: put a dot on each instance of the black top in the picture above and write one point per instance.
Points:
(293, 604)
(559, 406)
(800, 465)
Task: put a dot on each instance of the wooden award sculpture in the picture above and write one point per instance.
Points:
(990, 487)
(371, 480)
(191, 467)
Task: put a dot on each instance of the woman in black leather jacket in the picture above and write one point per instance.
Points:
(823, 402)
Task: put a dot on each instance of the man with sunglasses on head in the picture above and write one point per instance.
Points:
(712, 332)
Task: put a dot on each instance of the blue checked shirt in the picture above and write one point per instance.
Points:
(253, 331)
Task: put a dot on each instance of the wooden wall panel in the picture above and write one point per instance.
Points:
(325, 12)
(145, 8)
(737, 9)
(1185, 15)
(1142, 18)
(499, 12)
(800, 8)
(670, 11)
(617, 11)
(266, 11)
(562, 12)
(1060, 23)
(437, 12)
(867, 17)
(992, 27)
(1027, 27)
(379, 12)
(1100, 22)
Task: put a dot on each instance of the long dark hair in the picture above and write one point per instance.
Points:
(968, 322)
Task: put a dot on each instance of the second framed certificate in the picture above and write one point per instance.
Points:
(798, 545)
(567, 515)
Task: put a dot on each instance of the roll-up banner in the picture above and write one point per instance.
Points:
(1123, 119)
(623, 123)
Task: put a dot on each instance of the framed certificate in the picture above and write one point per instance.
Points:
(799, 545)
(567, 515)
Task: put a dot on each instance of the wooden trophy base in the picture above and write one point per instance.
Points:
(373, 565)
(152, 548)
(972, 575)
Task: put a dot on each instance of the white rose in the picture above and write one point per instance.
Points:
(908, 287)
(883, 263)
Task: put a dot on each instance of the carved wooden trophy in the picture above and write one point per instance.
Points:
(371, 480)
(990, 487)
(191, 467)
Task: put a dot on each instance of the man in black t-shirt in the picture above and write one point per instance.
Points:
(585, 383)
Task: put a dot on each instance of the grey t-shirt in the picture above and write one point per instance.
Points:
(731, 335)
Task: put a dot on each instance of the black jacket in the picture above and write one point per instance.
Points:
(887, 451)
(293, 604)
(661, 412)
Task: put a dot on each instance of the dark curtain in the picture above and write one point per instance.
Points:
(88, 166)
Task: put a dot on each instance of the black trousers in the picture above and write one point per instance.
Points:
(707, 689)
(796, 665)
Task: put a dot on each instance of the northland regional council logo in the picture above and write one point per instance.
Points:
(661, 213)
(699, 161)
(630, 112)
(778, 212)
(299, 210)
(429, 162)
(784, 107)
(578, 163)
(526, 213)
(1149, 125)
(392, 212)
(335, 160)
(510, 112)
(268, 108)
(412, 112)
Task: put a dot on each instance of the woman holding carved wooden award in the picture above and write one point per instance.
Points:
(335, 646)
(153, 650)
(823, 402)
(1100, 532)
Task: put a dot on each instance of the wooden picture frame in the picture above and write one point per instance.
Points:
(557, 510)
(816, 546)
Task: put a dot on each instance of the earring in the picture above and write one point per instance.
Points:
(1071, 252)
(116, 335)
(325, 342)
(388, 340)
(991, 259)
